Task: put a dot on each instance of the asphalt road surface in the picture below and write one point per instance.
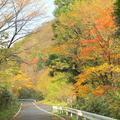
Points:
(31, 111)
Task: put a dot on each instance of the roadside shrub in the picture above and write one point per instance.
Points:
(106, 105)
(93, 104)
(6, 97)
(114, 102)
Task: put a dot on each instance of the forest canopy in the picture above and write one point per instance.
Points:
(73, 61)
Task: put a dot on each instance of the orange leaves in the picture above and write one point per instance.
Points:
(91, 41)
(99, 24)
(35, 60)
(88, 50)
(105, 22)
(83, 91)
(99, 91)
(89, 47)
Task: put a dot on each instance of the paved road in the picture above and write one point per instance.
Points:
(31, 111)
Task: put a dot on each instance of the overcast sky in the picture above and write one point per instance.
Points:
(50, 7)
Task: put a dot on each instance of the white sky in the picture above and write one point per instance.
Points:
(49, 9)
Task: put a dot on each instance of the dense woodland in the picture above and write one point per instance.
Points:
(72, 61)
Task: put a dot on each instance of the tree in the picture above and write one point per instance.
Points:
(84, 32)
(15, 17)
(98, 79)
(117, 15)
(86, 36)
(63, 6)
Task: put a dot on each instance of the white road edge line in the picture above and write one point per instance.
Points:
(47, 111)
(18, 111)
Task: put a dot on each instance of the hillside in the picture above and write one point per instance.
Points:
(29, 47)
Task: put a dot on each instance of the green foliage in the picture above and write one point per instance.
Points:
(93, 104)
(63, 6)
(7, 113)
(117, 14)
(41, 61)
(6, 97)
(4, 55)
(8, 58)
(59, 89)
(107, 105)
(3, 36)
(114, 101)
(91, 52)
(58, 63)
(62, 32)
(26, 93)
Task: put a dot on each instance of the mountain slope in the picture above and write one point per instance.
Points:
(32, 45)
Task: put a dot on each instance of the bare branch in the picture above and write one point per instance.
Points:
(15, 16)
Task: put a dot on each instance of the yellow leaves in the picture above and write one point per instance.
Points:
(15, 79)
(116, 69)
(21, 76)
(54, 88)
(62, 49)
(115, 56)
(105, 69)
(19, 81)
(43, 81)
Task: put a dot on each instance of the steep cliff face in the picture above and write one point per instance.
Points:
(31, 46)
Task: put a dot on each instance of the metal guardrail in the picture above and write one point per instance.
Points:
(80, 115)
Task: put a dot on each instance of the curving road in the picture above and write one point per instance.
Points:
(31, 111)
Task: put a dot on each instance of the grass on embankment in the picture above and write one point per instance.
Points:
(9, 112)
(55, 103)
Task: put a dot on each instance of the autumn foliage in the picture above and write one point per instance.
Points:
(92, 40)
(85, 33)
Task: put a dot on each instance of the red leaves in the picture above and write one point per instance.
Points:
(86, 51)
(89, 41)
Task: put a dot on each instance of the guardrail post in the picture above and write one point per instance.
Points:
(55, 109)
(79, 118)
(60, 109)
(66, 113)
(62, 112)
(71, 114)
(79, 115)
